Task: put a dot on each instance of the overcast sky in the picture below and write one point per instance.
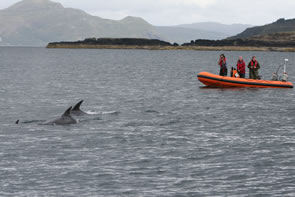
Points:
(173, 12)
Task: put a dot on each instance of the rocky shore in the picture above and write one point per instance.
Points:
(154, 44)
(242, 43)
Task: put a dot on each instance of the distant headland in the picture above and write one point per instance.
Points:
(114, 43)
(155, 44)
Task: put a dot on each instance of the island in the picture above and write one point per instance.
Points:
(115, 43)
(271, 42)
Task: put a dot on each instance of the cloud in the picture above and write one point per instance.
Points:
(7, 3)
(199, 3)
(158, 12)
(172, 12)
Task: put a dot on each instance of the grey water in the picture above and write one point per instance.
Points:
(154, 130)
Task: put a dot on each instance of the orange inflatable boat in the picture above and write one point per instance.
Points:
(212, 80)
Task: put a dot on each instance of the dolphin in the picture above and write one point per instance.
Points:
(76, 111)
(64, 119)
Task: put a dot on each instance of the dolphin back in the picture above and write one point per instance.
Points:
(64, 119)
(76, 111)
(77, 106)
(67, 112)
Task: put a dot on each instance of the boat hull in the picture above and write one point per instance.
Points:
(212, 80)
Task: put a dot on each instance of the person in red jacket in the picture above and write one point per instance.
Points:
(222, 64)
(241, 67)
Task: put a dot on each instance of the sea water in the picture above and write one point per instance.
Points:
(153, 129)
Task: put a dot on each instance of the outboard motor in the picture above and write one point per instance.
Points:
(285, 75)
(275, 77)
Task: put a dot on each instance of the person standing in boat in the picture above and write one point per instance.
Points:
(253, 68)
(241, 67)
(222, 64)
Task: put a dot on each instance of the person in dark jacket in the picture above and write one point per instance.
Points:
(222, 64)
(253, 68)
(241, 67)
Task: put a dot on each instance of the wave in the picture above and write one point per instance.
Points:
(152, 111)
(103, 113)
(110, 113)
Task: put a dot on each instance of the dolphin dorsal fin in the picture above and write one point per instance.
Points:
(67, 112)
(77, 106)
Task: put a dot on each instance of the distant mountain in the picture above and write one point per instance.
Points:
(279, 26)
(182, 35)
(218, 28)
(38, 22)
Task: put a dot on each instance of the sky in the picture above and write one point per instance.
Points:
(174, 12)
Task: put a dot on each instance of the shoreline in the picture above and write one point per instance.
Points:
(196, 48)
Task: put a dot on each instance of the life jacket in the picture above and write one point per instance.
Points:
(235, 73)
(254, 66)
(222, 61)
(241, 66)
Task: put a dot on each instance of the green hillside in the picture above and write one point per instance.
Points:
(280, 25)
(37, 22)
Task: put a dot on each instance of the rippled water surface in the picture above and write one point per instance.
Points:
(153, 129)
